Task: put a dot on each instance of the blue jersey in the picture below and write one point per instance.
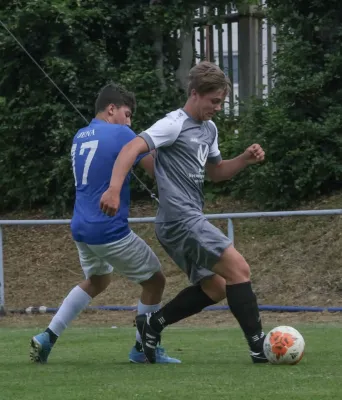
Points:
(94, 151)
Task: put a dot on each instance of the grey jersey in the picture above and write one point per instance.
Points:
(183, 146)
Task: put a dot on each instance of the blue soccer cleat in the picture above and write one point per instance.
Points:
(138, 357)
(40, 348)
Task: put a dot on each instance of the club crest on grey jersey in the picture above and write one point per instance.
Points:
(202, 154)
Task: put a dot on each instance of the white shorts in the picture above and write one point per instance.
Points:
(129, 256)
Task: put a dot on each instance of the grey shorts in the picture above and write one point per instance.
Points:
(194, 244)
(130, 257)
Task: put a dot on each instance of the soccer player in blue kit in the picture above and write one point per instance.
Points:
(186, 144)
(105, 243)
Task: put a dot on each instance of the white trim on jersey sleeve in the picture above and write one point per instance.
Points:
(165, 131)
(214, 156)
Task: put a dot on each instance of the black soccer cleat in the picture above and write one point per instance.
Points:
(258, 358)
(256, 344)
(149, 338)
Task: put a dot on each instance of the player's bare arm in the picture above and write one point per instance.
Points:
(147, 163)
(227, 169)
(110, 200)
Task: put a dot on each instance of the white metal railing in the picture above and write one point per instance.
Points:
(228, 216)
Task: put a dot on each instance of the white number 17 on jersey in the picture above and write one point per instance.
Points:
(92, 146)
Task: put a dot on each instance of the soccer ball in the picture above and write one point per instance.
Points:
(284, 345)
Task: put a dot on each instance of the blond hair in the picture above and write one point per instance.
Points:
(207, 77)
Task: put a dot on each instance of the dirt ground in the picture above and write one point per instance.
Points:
(119, 319)
(294, 261)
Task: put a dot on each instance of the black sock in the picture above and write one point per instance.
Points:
(189, 301)
(53, 336)
(138, 346)
(244, 306)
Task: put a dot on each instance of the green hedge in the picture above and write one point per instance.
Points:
(300, 124)
(83, 46)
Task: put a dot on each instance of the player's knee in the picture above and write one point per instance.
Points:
(156, 283)
(153, 288)
(101, 282)
(233, 267)
(214, 287)
(96, 284)
(159, 279)
(242, 270)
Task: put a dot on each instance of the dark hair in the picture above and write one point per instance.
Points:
(206, 77)
(114, 94)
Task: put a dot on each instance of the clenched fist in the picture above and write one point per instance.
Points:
(254, 154)
(110, 202)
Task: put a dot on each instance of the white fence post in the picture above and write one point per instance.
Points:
(2, 283)
(231, 230)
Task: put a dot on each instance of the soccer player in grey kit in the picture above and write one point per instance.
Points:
(186, 144)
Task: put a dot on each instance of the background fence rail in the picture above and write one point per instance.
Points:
(230, 232)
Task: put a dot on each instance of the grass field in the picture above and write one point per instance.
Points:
(91, 364)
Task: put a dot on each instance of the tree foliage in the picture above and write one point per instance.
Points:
(300, 123)
(84, 44)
